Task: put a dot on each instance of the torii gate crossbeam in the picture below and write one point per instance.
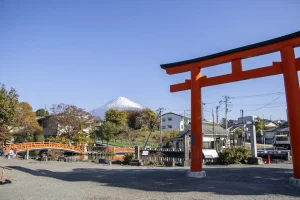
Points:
(288, 66)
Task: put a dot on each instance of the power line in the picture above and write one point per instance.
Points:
(259, 95)
(222, 109)
(270, 102)
(283, 105)
(256, 104)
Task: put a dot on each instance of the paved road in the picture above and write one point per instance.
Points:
(32, 180)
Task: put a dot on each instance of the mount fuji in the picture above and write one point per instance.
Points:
(120, 103)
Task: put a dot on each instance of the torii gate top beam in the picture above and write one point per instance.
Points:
(234, 56)
(257, 49)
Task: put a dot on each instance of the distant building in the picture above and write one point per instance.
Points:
(173, 121)
(246, 119)
(232, 122)
(52, 128)
(209, 133)
(270, 125)
(281, 130)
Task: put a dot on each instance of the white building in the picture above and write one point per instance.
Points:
(173, 121)
(246, 119)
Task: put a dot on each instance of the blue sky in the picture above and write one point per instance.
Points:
(88, 52)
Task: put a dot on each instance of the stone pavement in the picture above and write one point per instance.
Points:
(60, 180)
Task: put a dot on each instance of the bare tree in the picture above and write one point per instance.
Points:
(69, 120)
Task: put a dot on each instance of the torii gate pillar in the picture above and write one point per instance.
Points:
(196, 126)
(291, 83)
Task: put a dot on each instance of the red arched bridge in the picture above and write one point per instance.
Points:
(46, 145)
(78, 148)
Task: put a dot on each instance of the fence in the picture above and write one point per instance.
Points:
(162, 159)
(132, 144)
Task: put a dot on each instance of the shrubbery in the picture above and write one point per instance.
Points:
(234, 155)
(128, 157)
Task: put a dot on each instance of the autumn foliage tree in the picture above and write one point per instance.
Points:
(8, 106)
(68, 120)
(25, 124)
(141, 119)
(16, 119)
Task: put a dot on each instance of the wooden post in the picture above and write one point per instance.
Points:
(291, 84)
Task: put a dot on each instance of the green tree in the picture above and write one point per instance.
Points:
(259, 126)
(237, 133)
(107, 131)
(169, 135)
(8, 110)
(116, 117)
(39, 138)
(41, 112)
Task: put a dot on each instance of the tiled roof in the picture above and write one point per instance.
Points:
(207, 129)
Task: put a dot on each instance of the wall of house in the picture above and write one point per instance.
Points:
(172, 122)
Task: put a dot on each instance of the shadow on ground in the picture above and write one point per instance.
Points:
(5, 182)
(224, 181)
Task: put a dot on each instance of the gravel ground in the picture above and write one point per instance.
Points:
(79, 180)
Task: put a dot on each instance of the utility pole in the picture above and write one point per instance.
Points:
(226, 120)
(212, 112)
(160, 110)
(243, 133)
(203, 104)
(152, 128)
(217, 114)
(45, 110)
(263, 132)
(226, 111)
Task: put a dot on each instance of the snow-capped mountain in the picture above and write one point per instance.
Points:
(120, 103)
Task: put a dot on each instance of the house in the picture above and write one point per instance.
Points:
(270, 125)
(232, 122)
(210, 134)
(52, 128)
(173, 121)
(282, 129)
(45, 123)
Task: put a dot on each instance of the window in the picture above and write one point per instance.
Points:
(169, 118)
(163, 127)
(169, 126)
(181, 126)
(163, 119)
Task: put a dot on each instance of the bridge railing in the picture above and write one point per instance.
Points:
(33, 145)
(119, 150)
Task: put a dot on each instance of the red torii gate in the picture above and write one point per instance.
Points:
(288, 66)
